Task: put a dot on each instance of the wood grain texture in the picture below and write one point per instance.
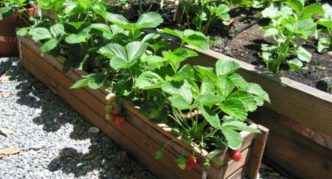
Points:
(291, 152)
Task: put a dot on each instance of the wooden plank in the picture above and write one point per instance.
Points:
(141, 154)
(256, 153)
(61, 79)
(237, 175)
(292, 152)
(309, 106)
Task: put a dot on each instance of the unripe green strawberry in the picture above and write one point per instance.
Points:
(109, 108)
(181, 161)
(110, 97)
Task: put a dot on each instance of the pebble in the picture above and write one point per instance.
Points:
(329, 53)
(94, 130)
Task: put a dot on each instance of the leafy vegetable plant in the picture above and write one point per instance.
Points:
(206, 106)
(204, 13)
(8, 7)
(326, 22)
(290, 22)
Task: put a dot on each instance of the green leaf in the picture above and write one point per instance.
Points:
(270, 32)
(23, 31)
(77, 38)
(233, 138)
(57, 29)
(177, 56)
(234, 108)
(206, 72)
(270, 12)
(118, 63)
(174, 32)
(40, 33)
(247, 99)
(149, 80)
(185, 73)
(80, 83)
(179, 102)
(296, 5)
(49, 45)
(113, 50)
(238, 81)
(224, 86)
(149, 20)
(305, 28)
(303, 54)
(226, 67)
(209, 99)
(185, 92)
(213, 119)
(258, 91)
(207, 87)
(311, 10)
(135, 50)
(196, 39)
(96, 80)
(295, 64)
(323, 43)
(153, 61)
(240, 126)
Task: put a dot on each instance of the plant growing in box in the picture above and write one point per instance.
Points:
(206, 106)
(13, 14)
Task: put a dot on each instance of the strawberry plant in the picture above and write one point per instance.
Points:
(203, 13)
(8, 7)
(326, 22)
(290, 22)
(206, 106)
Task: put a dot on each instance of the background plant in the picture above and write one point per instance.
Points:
(291, 21)
(9, 7)
(325, 41)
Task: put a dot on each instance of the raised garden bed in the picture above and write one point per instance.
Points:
(299, 116)
(138, 135)
(8, 25)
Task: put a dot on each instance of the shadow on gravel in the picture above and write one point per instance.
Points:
(103, 156)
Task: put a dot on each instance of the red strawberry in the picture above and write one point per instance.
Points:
(119, 121)
(191, 162)
(113, 117)
(236, 155)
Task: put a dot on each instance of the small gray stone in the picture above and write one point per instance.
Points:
(93, 130)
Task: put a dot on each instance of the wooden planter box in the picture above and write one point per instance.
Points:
(8, 25)
(299, 118)
(138, 135)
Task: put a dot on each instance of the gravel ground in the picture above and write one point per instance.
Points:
(48, 139)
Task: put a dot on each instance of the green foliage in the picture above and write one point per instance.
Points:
(202, 14)
(9, 7)
(206, 106)
(290, 22)
(325, 41)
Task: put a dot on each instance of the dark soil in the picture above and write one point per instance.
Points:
(242, 39)
(246, 45)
